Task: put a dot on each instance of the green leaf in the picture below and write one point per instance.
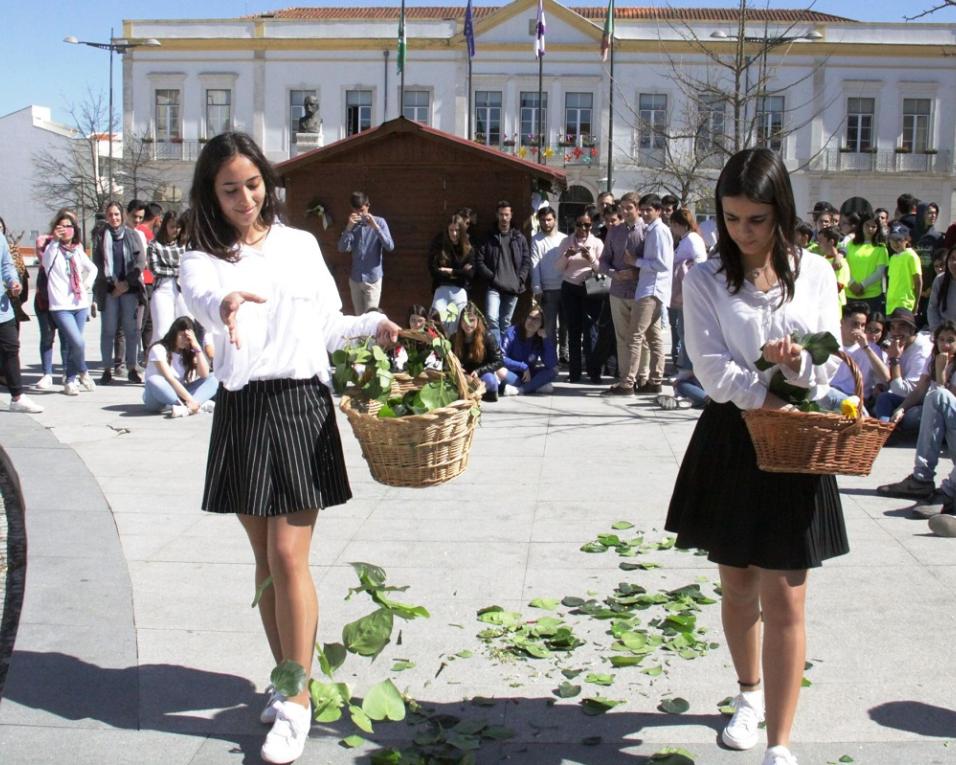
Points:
(762, 364)
(361, 720)
(609, 540)
(331, 657)
(352, 742)
(625, 566)
(470, 727)
(498, 616)
(464, 654)
(805, 683)
(566, 690)
(261, 590)
(384, 702)
(400, 665)
(598, 705)
(497, 733)
(386, 412)
(570, 673)
(288, 678)
(593, 547)
(402, 610)
(572, 602)
(328, 700)
(386, 757)
(548, 604)
(622, 525)
(674, 706)
(671, 755)
(820, 346)
(369, 575)
(598, 678)
(370, 634)
(726, 706)
(626, 661)
(653, 671)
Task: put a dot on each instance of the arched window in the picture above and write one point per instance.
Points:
(571, 204)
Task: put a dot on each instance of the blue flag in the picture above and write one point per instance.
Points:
(470, 31)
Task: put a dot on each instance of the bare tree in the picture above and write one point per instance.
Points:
(730, 101)
(74, 175)
(937, 7)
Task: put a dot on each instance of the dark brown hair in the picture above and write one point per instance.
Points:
(760, 176)
(207, 229)
(684, 217)
(475, 351)
(66, 212)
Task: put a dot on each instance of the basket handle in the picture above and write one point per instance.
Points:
(857, 380)
(454, 365)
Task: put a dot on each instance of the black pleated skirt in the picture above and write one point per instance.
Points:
(275, 449)
(742, 516)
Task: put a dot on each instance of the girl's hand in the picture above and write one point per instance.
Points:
(230, 307)
(859, 337)
(526, 376)
(894, 348)
(855, 287)
(15, 289)
(473, 375)
(943, 361)
(897, 415)
(193, 342)
(783, 351)
(387, 333)
(192, 405)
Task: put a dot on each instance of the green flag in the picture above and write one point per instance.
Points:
(608, 34)
(401, 40)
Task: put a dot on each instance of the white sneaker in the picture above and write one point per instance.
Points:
(71, 389)
(86, 382)
(44, 383)
(290, 731)
(24, 404)
(207, 407)
(268, 714)
(779, 755)
(178, 410)
(510, 390)
(742, 730)
(546, 389)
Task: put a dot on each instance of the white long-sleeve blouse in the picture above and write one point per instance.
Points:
(725, 332)
(290, 335)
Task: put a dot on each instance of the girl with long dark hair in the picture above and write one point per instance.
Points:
(478, 350)
(177, 372)
(868, 258)
(764, 530)
(265, 294)
(451, 263)
(942, 297)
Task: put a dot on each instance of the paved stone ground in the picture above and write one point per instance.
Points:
(137, 643)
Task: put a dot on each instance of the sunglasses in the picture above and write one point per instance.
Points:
(583, 225)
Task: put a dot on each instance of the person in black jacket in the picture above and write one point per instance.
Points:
(504, 262)
(452, 265)
(478, 350)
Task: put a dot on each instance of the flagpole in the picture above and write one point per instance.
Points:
(468, 123)
(540, 109)
(470, 50)
(610, 122)
(401, 87)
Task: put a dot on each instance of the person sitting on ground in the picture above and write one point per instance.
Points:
(906, 356)
(905, 272)
(938, 420)
(177, 373)
(478, 350)
(942, 298)
(530, 358)
(857, 347)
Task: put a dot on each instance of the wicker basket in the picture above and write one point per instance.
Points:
(817, 442)
(417, 450)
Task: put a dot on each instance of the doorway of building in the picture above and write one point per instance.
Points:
(571, 204)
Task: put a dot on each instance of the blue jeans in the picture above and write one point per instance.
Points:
(886, 403)
(71, 325)
(938, 420)
(833, 399)
(447, 295)
(158, 393)
(541, 376)
(119, 311)
(691, 390)
(499, 308)
(490, 379)
(47, 334)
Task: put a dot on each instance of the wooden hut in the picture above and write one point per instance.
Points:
(415, 177)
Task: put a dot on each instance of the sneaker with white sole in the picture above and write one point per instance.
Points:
(268, 713)
(779, 755)
(743, 729)
(24, 404)
(510, 390)
(71, 389)
(86, 383)
(290, 731)
(207, 407)
(44, 383)
(178, 410)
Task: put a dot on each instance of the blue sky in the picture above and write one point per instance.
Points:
(48, 72)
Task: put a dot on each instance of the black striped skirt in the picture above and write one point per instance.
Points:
(274, 449)
(742, 516)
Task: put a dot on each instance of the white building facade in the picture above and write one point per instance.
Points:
(856, 109)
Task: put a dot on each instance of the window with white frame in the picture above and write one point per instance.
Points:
(769, 124)
(218, 111)
(166, 115)
(711, 123)
(533, 117)
(652, 116)
(859, 123)
(488, 117)
(358, 111)
(415, 106)
(578, 114)
(916, 124)
(297, 109)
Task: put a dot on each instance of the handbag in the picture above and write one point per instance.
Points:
(597, 285)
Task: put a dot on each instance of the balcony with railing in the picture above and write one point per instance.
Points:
(580, 149)
(175, 149)
(931, 162)
(571, 150)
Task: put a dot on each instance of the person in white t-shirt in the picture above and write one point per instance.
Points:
(265, 294)
(177, 372)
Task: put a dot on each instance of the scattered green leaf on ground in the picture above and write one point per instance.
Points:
(674, 706)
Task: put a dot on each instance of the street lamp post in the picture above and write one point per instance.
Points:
(766, 44)
(113, 47)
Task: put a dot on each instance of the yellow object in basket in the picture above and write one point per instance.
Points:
(850, 407)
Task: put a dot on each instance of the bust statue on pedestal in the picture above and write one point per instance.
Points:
(309, 134)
